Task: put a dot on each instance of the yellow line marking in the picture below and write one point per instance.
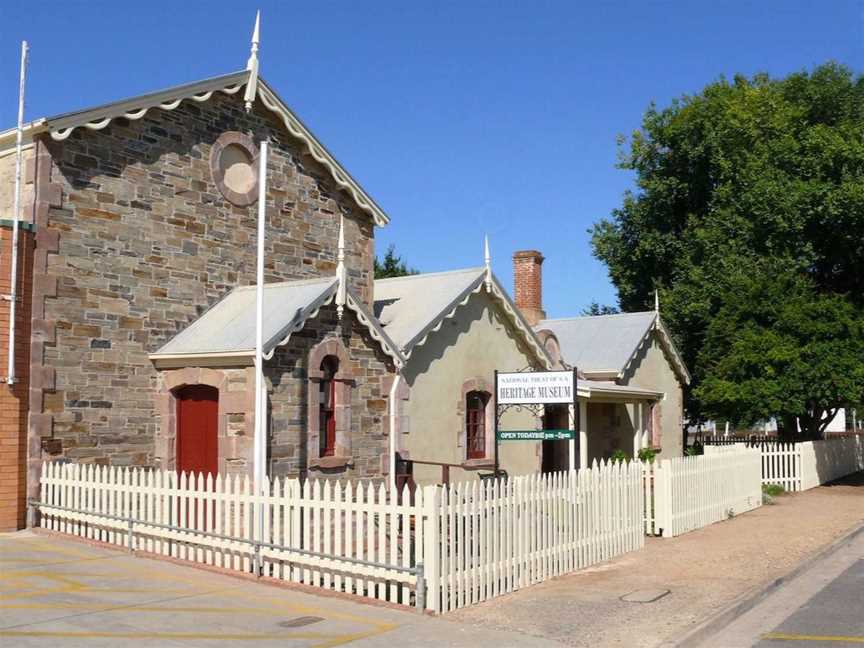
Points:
(795, 637)
(277, 604)
(339, 641)
(37, 562)
(173, 635)
(47, 548)
(273, 605)
(132, 607)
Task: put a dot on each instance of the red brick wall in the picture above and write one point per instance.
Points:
(14, 402)
(528, 284)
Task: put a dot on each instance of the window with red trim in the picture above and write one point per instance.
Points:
(475, 424)
(327, 407)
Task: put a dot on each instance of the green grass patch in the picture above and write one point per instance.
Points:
(773, 490)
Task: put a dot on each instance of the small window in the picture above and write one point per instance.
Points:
(327, 407)
(475, 424)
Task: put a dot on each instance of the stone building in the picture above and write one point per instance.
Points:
(629, 362)
(138, 217)
(455, 329)
(135, 321)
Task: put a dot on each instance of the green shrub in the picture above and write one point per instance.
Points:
(773, 490)
(647, 454)
(770, 491)
(694, 450)
(618, 456)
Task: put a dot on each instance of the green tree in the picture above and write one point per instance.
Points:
(777, 347)
(750, 177)
(596, 308)
(392, 265)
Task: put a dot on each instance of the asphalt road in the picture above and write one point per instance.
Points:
(821, 608)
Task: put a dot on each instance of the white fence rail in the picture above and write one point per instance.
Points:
(689, 493)
(351, 538)
(489, 539)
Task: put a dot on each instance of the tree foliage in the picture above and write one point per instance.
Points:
(392, 265)
(596, 308)
(779, 347)
(752, 185)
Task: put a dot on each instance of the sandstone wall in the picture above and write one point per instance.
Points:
(292, 450)
(142, 242)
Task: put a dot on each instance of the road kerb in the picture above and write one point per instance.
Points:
(749, 600)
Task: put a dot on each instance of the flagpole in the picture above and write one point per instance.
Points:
(259, 446)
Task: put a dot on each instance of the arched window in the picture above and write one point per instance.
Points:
(327, 407)
(475, 424)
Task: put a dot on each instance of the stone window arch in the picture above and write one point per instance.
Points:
(472, 390)
(329, 369)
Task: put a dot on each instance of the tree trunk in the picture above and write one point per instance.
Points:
(787, 427)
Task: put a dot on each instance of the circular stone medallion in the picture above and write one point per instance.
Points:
(234, 166)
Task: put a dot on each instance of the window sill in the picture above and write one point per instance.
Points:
(477, 464)
(330, 462)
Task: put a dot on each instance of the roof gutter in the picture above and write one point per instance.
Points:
(209, 359)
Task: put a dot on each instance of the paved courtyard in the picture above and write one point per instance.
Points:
(56, 592)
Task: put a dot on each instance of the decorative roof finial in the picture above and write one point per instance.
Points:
(252, 65)
(656, 301)
(341, 272)
(487, 261)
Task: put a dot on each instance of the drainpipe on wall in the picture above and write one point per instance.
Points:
(13, 295)
(393, 414)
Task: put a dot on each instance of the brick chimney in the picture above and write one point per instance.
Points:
(528, 284)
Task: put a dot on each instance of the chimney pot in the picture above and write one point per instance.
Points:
(528, 284)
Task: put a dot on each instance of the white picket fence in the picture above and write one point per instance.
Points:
(351, 538)
(689, 493)
(474, 541)
(807, 464)
(495, 538)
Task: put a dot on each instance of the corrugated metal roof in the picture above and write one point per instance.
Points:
(408, 307)
(600, 342)
(229, 326)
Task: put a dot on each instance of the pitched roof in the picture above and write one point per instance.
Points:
(413, 307)
(609, 343)
(98, 117)
(228, 327)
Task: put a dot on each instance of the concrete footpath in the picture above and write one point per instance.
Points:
(59, 593)
(704, 573)
(821, 607)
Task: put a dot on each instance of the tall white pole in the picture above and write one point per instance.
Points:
(13, 289)
(394, 442)
(260, 446)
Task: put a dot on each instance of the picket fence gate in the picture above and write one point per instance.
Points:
(688, 493)
(439, 548)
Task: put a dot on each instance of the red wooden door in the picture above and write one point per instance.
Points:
(197, 429)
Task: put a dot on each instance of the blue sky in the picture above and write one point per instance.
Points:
(460, 118)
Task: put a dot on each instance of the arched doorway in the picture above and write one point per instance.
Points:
(198, 429)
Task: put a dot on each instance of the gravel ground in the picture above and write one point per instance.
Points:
(704, 570)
